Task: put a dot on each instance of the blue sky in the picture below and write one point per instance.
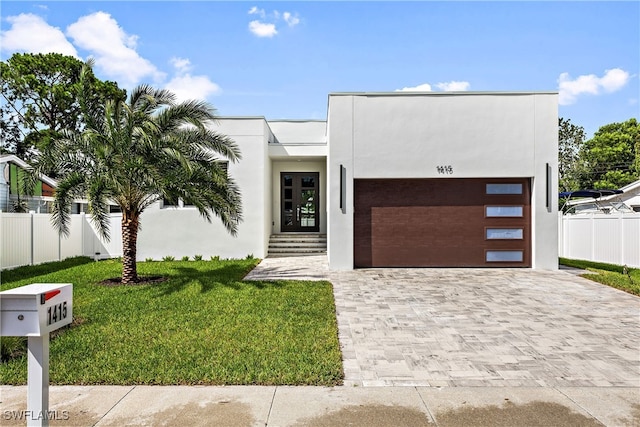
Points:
(281, 59)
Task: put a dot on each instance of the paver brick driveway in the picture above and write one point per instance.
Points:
(485, 327)
(476, 327)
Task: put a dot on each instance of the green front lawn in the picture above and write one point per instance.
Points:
(204, 325)
(608, 274)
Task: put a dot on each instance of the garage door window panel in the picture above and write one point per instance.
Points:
(504, 188)
(504, 233)
(504, 256)
(504, 211)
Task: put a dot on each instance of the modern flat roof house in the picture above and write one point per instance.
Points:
(460, 179)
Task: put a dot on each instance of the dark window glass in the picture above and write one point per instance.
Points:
(308, 182)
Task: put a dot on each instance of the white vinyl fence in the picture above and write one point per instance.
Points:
(613, 238)
(27, 239)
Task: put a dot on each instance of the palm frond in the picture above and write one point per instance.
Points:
(214, 142)
(68, 188)
(145, 99)
(98, 194)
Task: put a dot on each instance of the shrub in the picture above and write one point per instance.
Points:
(197, 257)
(185, 258)
(168, 258)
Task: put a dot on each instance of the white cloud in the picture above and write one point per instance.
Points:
(426, 87)
(187, 87)
(255, 11)
(454, 86)
(262, 29)
(30, 33)
(113, 49)
(182, 65)
(266, 25)
(612, 80)
(291, 20)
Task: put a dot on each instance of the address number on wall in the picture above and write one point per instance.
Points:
(445, 170)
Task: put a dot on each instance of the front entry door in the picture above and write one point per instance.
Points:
(299, 194)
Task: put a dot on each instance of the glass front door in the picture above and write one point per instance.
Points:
(299, 195)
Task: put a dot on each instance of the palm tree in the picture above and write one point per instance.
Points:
(136, 152)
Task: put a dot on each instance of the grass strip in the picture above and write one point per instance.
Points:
(203, 325)
(616, 276)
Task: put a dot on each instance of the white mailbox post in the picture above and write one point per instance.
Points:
(33, 311)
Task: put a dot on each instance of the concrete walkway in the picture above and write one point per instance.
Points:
(437, 347)
(338, 406)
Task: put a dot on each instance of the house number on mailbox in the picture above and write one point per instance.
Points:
(56, 313)
(448, 169)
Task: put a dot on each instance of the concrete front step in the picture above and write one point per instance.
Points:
(294, 254)
(294, 237)
(297, 244)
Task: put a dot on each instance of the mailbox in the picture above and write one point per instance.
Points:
(35, 310)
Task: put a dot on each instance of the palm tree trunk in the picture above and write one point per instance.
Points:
(130, 223)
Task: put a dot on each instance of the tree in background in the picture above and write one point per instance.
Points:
(135, 153)
(612, 157)
(570, 141)
(39, 100)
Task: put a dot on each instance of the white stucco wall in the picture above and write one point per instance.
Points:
(401, 135)
(340, 221)
(182, 231)
(544, 224)
(299, 131)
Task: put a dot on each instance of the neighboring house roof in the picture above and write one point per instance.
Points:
(594, 194)
(10, 158)
(626, 192)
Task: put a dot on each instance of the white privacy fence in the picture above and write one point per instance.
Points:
(27, 239)
(31, 239)
(613, 238)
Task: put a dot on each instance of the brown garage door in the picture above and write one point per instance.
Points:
(442, 222)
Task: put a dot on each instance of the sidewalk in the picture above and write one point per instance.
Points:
(338, 406)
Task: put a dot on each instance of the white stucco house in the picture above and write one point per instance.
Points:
(465, 179)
